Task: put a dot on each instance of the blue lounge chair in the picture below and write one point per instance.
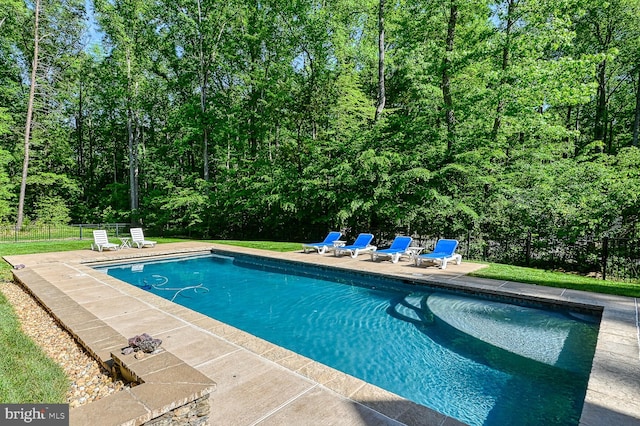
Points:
(325, 245)
(360, 245)
(398, 248)
(443, 252)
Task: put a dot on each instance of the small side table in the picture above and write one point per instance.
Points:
(414, 252)
(337, 244)
(125, 242)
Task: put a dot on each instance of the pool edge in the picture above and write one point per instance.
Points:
(615, 376)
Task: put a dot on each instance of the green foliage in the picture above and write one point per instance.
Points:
(257, 119)
(52, 211)
(5, 188)
(184, 208)
(6, 121)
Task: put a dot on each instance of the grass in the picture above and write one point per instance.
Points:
(264, 245)
(557, 279)
(28, 375)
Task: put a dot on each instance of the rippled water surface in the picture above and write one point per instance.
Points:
(484, 362)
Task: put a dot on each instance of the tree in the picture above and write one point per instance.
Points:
(197, 33)
(610, 30)
(27, 131)
(57, 29)
(509, 19)
(446, 77)
(381, 48)
(636, 120)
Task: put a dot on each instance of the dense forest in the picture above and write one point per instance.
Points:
(284, 119)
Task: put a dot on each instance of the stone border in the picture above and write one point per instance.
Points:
(164, 389)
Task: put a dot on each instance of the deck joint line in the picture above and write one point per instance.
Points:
(284, 404)
(223, 356)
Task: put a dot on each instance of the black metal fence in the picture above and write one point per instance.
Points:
(40, 232)
(606, 258)
(621, 258)
(613, 258)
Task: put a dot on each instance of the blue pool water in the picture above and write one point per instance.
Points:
(482, 361)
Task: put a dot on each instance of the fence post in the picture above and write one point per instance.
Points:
(528, 250)
(605, 256)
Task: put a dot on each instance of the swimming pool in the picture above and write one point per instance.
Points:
(482, 361)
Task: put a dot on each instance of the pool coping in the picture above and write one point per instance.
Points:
(611, 395)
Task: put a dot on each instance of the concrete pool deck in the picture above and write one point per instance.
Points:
(258, 383)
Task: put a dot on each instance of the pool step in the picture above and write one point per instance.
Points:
(411, 308)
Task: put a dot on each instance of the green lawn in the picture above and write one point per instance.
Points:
(557, 279)
(27, 375)
(264, 245)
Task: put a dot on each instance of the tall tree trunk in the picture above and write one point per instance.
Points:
(90, 167)
(382, 97)
(205, 153)
(601, 102)
(27, 129)
(568, 125)
(497, 123)
(205, 128)
(446, 78)
(80, 130)
(203, 97)
(610, 136)
(636, 122)
(577, 137)
(132, 142)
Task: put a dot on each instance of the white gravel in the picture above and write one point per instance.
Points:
(89, 381)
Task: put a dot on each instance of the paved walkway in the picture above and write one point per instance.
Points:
(259, 383)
